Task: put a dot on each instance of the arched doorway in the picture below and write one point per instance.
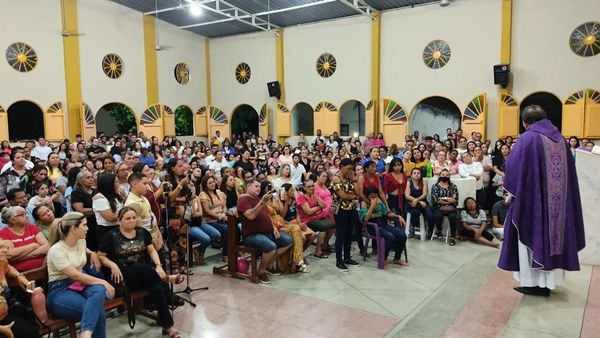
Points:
(244, 119)
(303, 119)
(549, 102)
(114, 118)
(433, 115)
(184, 121)
(352, 118)
(25, 121)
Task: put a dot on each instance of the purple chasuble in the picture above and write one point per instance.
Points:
(545, 211)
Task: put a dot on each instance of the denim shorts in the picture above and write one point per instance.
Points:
(266, 243)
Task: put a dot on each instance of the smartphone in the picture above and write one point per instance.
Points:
(30, 286)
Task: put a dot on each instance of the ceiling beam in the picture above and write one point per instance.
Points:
(180, 6)
(360, 6)
(281, 10)
(225, 9)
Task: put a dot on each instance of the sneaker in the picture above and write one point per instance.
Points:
(350, 261)
(264, 279)
(274, 272)
(342, 267)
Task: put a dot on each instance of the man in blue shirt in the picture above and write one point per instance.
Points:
(146, 158)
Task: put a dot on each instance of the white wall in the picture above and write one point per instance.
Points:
(186, 47)
(541, 56)
(258, 51)
(472, 28)
(107, 27)
(39, 28)
(349, 40)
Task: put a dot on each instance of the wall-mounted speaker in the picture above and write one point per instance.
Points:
(274, 90)
(501, 75)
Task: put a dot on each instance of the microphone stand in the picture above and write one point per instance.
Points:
(188, 290)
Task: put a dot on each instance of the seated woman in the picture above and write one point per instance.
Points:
(12, 324)
(28, 246)
(44, 219)
(314, 212)
(214, 210)
(294, 262)
(474, 223)
(130, 255)
(289, 211)
(76, 292)
(416, 197)
(376, 212)
(444, 195)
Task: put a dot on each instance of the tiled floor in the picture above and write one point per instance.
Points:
(443, 293)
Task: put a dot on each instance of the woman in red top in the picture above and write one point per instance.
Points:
(28, 246)
(394, 184)
(370, 179)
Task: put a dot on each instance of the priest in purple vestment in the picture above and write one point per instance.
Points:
(543, 231)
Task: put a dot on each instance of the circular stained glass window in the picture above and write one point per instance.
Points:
(436, 54)
(21, 57)
(243, 73)
(585, 39)
(112, 65)
(326, 65)
(182, 73)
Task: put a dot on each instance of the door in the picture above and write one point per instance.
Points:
(327, 118)
(395, 123)
(201, 122)
(218, 121)
(474, 116)
(168, 121)
(508, 124)
(89, 122)
(591, 127)
(151, 121)
(55, 122)
(283, 120)
(3, 124)
(573, 112)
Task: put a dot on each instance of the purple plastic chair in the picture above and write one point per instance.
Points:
(380, 243)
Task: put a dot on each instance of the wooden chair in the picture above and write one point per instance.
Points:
(235, 246)
(53, 324)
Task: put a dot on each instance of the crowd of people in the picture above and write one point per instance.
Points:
(118, 208)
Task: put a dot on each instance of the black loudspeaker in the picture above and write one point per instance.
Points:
(501, 75)
(274, 90)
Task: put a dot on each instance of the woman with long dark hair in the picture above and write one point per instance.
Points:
(444, 195)
(416, 198)
(394, 184)
(106, 204)
(214, 209)
(82, 201)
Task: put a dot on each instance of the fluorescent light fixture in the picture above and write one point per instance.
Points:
(195, 9)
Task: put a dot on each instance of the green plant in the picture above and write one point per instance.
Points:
(184, 121)
(125, 118)
(244, 118)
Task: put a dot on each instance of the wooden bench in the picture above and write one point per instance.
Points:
(130, 300)
(234, 247)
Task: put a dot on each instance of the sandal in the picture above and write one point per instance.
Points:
(321, 255)
(302, 268)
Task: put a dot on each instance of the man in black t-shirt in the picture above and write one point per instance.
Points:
(499, 211)
(95, 151)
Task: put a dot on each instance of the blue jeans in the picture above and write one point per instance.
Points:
(222, 227)
(86, 306)
(395, 238)
(205, 233)
(266, 243)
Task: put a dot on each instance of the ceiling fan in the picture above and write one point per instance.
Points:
(158, 47)
(64, 32)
